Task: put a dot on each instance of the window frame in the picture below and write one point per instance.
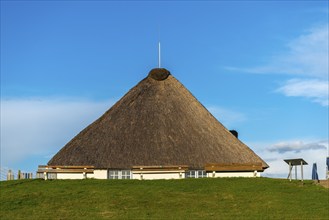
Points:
(195, 174)
(119, 174)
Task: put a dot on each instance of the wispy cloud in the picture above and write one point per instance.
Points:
(42, 126)
(306, 56)
(308, 53)
(297, 146)
(313, 89)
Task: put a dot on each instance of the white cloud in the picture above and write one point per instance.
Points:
(312, 151)
(297, 146)
(309, 53)
(314, 89)
(306, 56)
(38, 127)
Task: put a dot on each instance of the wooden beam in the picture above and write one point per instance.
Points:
(157, 171)
(65, 171)
(163, 168)
(66, 167)
(234, 167)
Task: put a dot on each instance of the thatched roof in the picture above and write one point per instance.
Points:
(158, 122)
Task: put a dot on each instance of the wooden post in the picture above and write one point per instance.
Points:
(290, 168)
(295, 172)
(255, 173)
(84, 175)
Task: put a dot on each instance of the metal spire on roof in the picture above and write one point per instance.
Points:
(159, 47)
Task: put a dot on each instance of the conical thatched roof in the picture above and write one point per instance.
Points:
(157, 123)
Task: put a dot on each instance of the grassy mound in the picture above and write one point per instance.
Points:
(221, 198)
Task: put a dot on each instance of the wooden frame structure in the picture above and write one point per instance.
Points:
(295, 162)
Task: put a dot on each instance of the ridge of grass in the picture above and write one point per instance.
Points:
(208, 198)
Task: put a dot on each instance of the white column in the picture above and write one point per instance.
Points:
(301, 169)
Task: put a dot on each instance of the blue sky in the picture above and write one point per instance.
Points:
(260, 67)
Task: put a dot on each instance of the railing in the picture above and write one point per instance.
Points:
(9, 174)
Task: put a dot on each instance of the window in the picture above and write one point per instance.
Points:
(40, 176)
(202, 174)
(113, 174)
(119, 174)
(125, 174)
(190, 174)
(51, 176)
(196, 174)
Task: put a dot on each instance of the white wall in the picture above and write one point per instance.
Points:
(70, 176)
(233, 174)
(100, 174)
(90, 175)
(152, 175)
(147, 175)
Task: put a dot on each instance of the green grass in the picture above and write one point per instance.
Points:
(220, 198)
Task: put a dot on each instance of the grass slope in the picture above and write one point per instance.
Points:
(221, 198)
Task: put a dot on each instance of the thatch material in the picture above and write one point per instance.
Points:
(157, 123)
